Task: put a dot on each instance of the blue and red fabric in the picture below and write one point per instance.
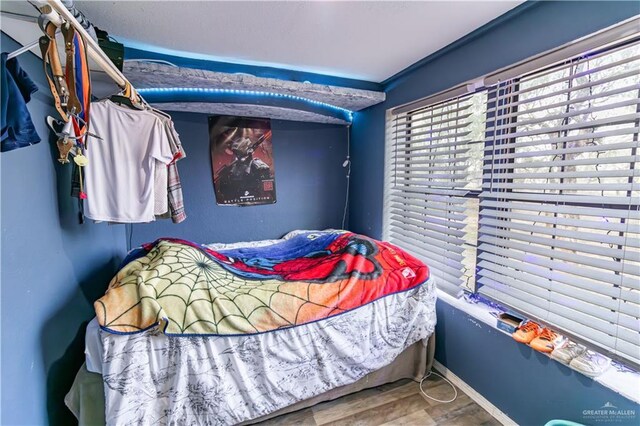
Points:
(82, 78)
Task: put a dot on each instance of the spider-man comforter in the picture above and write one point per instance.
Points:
(189, 289)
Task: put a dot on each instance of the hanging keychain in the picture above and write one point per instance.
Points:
(81, 161)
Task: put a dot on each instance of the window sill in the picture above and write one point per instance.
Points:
(625, 383)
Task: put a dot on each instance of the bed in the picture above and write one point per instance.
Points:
(345, 313)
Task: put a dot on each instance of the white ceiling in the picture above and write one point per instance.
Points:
(363, 40)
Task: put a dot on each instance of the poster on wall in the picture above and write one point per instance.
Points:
(242, 160)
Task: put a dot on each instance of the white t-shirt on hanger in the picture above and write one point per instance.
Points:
(120, 173)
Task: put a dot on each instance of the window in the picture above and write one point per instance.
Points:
(528, 192)
(434, 178)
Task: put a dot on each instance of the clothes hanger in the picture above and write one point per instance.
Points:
(128, 97)
(159, 112)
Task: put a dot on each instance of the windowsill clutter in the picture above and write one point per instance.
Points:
(617, 377)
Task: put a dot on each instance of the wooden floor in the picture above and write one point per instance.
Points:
(399, 403)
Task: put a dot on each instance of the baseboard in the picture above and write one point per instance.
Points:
(479, 399)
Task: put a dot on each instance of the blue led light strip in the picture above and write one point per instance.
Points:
(195, 90)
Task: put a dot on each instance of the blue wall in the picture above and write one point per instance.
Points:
(527, 387)
(310, 186)
(52, 270)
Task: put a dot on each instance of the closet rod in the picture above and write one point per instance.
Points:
(95, 52)
(23, 49)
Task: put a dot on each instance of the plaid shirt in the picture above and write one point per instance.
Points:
(174, 186)
(176, 201)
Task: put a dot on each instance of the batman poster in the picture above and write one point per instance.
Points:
(242, 160)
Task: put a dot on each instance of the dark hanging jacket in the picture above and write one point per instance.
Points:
(17, 128)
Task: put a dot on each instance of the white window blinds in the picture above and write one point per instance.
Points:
(559, 236)
(429, 176)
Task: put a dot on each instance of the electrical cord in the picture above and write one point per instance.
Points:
(455, 391)
(130, 225)
(347, 163)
